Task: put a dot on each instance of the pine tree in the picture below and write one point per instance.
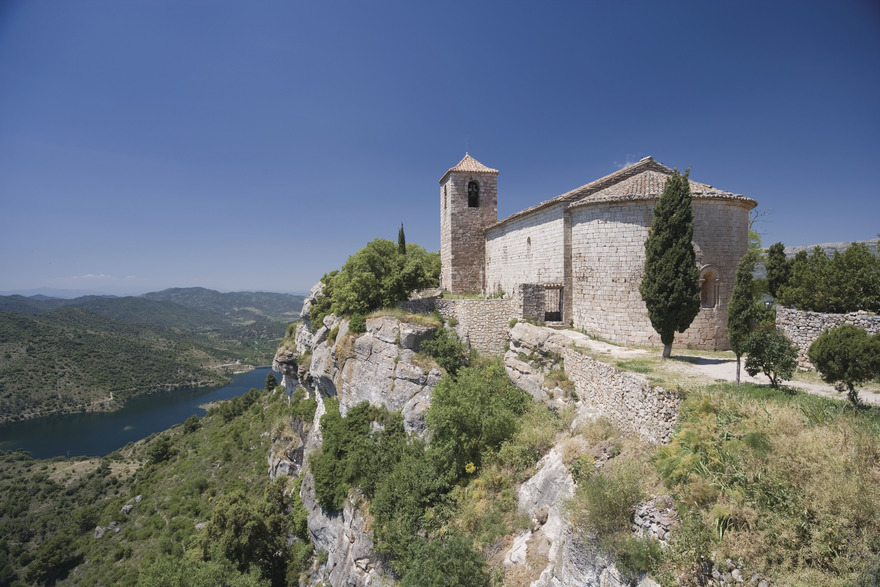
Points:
(670, 286)
(401, 241)
(741, 310)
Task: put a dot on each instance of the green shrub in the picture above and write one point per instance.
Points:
(357, 324)
(191, 424)
(475, 412)
(606, 498)
(447, 349)
(334, 332)
(771, 352)
(847, 355)
(302, 408)
(442, 562)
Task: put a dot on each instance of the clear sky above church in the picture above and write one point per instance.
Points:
(255, 145)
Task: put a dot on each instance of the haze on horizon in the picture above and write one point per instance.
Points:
(254, 146)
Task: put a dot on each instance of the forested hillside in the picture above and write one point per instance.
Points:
(61, 355)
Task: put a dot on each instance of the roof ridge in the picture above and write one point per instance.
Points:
(469, 164)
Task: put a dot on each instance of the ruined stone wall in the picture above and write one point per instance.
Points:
(803, 328)
(528, 250)
(608, 255)
(626, 399)
(462, 231)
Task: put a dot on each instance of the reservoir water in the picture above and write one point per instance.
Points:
(98, 434)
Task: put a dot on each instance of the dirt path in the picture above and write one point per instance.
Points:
(722, 367)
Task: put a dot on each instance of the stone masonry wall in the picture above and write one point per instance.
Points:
(627, 399)
(485, 322)
(608, 255)
(528, 250)
(805, 327)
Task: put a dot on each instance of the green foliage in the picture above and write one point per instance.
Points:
(54, 559)
(357, 324)
(670, 286)
(447, 349)
(848, 282)
(784, 481)
(401, 241)
(301, 408)
(778, 268)
(171, 571)
(847, 355)
(377, 276)
(271, 382)
(161, 450)
(771, 352)
(741, 309)
(334, 332)
(450, 561)
(473, 413)
(252, 533)
(607, 496)
(352, 455)
(192, 424)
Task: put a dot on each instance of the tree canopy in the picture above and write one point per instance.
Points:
(670, 286)
(846, 282)
(377, 276)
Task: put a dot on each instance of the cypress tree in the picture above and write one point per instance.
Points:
(401, 241)
(778, 268)
(741, 310)
(670, 286)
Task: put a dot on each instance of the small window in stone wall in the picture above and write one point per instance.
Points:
(473, 194)
(708, 289)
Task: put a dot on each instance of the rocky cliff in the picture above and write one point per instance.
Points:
(382, 366)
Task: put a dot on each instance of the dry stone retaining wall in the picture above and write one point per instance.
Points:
(803, 327)
(628, 400)
(485, 322)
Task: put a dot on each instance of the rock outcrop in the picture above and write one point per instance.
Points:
(380, 366)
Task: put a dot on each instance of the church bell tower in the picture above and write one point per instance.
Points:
(468, 205)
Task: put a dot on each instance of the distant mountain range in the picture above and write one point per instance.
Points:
(60, 355)
(165, 308)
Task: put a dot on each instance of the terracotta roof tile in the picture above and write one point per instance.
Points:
(640, 181)
(469, 164)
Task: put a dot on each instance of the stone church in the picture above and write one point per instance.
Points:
(586, 247)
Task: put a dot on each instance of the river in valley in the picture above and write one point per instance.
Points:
(97, 434)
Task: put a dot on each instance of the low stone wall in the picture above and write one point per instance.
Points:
(628, 400)
(803, 328)
(485, 322)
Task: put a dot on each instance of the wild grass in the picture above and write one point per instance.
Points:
(788, 482)
(404, 316)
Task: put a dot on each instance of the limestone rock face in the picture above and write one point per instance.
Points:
(346, 540)
(378, 366)
(534, 351)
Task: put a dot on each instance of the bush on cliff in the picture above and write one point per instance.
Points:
(377, 276)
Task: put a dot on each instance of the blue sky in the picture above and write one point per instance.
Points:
(255, 145)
